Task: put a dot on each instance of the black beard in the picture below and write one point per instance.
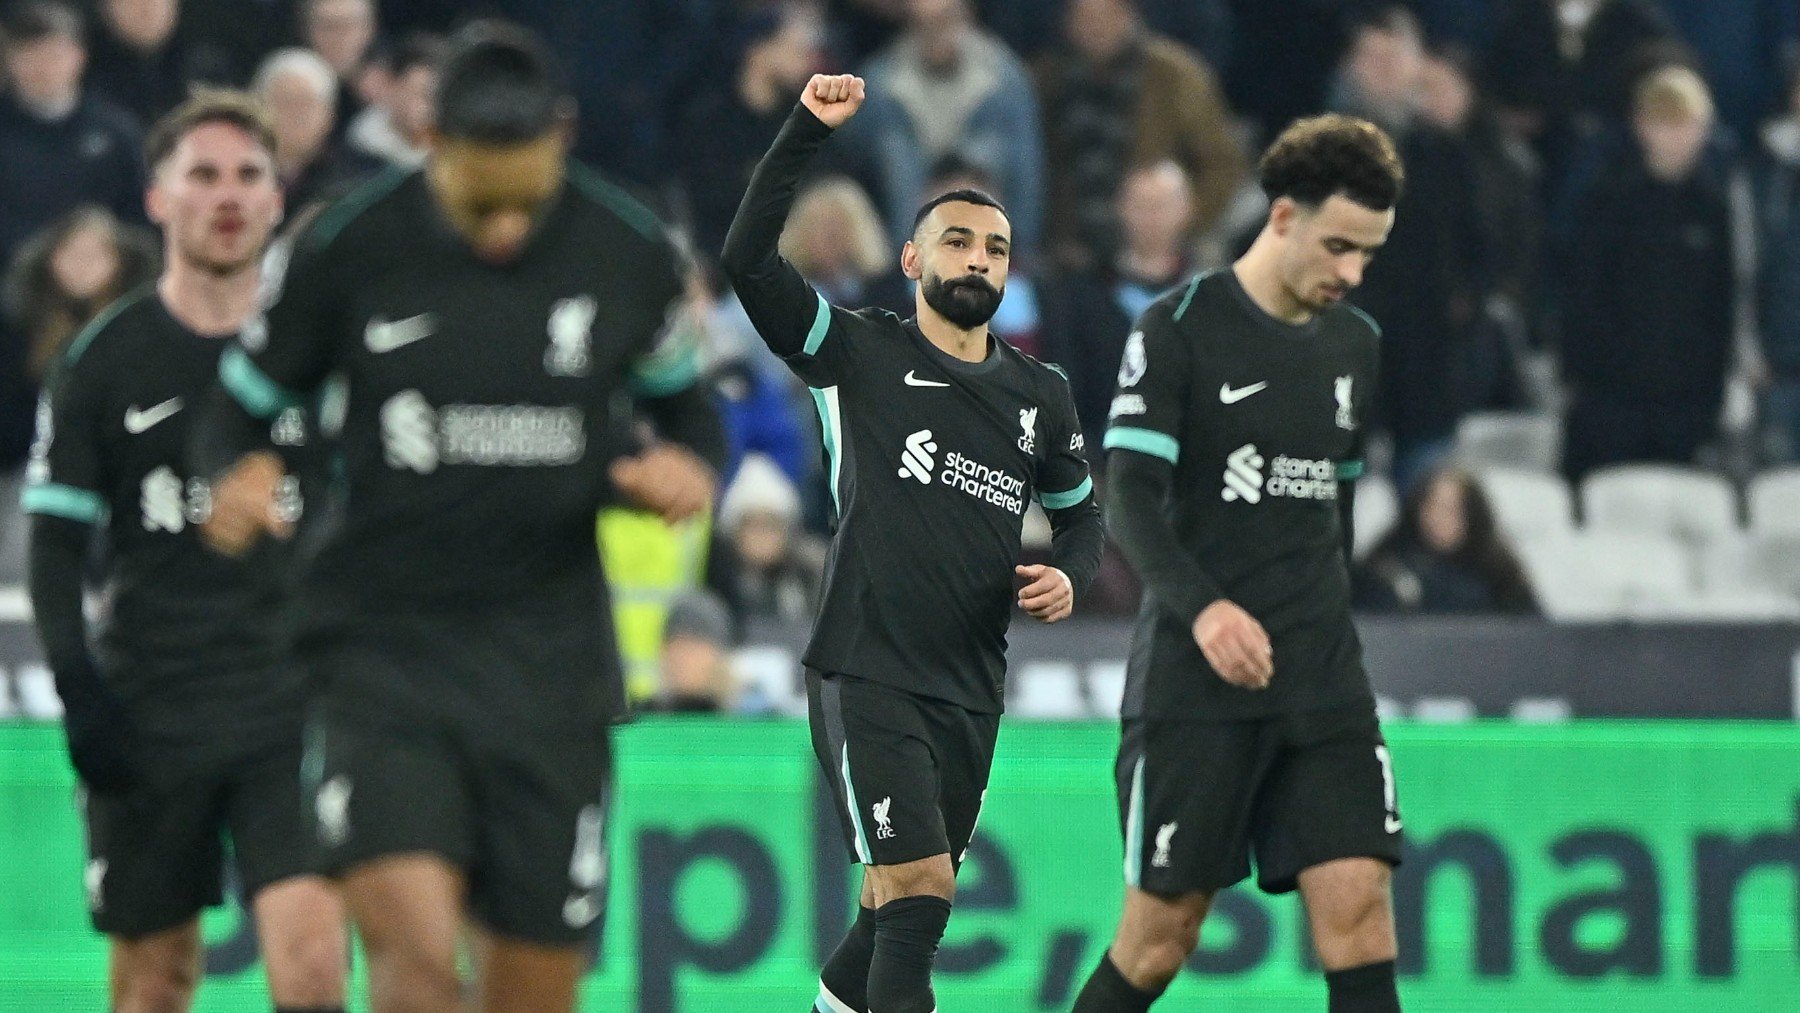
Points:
(968, 302)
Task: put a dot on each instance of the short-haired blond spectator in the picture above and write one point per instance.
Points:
(1648, 317)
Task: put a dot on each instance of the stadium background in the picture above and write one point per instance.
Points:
(1601, 788)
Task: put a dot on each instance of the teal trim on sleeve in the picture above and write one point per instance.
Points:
(821, 324)
(1065, 500)
(64, 501)
(260, 396)
(1144, 441)
(1347, 470)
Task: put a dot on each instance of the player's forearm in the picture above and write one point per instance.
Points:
(691, 418)
(1138, 488)
(778, 301)
(1077, 541)
(58, 553)
(223, 433)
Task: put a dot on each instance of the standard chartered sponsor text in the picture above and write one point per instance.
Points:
(490, 435)
(1300, 478)
(990, 485)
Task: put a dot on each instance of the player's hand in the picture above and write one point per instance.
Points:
(668, 480)
(245, 505)
(102, 737)
(1236, 645)
(833, 98)
(1048, 595)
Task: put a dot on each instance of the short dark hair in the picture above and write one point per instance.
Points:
(499, 85)
(964, 196)
(1319, 156)
(208, 105)
(37, 20)
(415, 49)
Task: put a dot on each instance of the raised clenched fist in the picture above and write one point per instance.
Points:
(833, 98)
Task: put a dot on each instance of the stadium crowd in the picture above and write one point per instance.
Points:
(1596, 261)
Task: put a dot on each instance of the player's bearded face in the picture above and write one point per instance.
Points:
(968, 301)
(217, 199)
(964, 251)
(495, 195)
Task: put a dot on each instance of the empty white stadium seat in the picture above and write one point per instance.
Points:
(1376, 508)
(1106, 688)
(1775, 502)
(1754, 563)
(1530, 441)
(1529, 505)
(1588, 575)
(1732, 607)
(1659, 499)
(1047, 691)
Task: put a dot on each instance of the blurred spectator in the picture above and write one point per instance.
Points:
(762, 415)
(60, 145)
(769, 568)
(61, 279)
(1425, 286)
(1647, 323)
(396, 127)
(342, 32)
(725, 131)
(1511, 221)
(1561, 68)
(64, 276)
(1506, 172)
(1088, 314)
(835, 240)
(695, 671)
(1445, 554)
(298, 87)
(1778, 290)
(1116, 95)
(947, 87)
(143, 62)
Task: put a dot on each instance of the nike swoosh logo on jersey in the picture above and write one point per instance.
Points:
(137, 420)
(384, 336)
(913, 381)
(1229, 396)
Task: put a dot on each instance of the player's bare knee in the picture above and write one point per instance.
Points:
(158, 987)
(1357, 928)
(1153, 963)
(309, 969)
(930, 877)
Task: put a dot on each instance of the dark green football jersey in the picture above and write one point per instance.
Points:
(1261, 420)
